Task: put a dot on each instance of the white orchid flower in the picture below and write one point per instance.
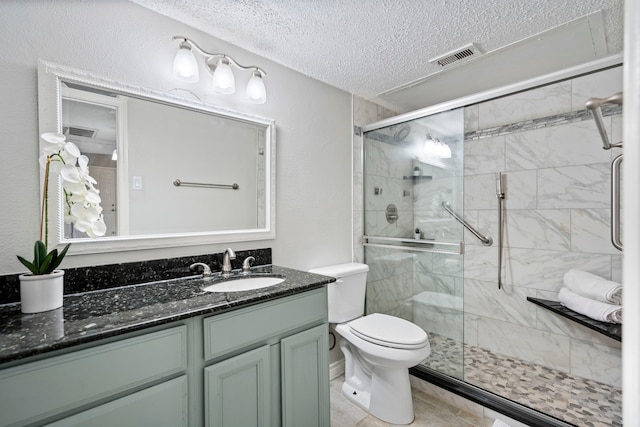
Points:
(53, 137)
(70, 152)
(98, 228)
(84, 212)
(90, 197)
(70, 173)
(82, 207)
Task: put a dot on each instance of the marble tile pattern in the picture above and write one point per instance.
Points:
(557, 218)
(569, 397)
(92, 278)
(95, 315)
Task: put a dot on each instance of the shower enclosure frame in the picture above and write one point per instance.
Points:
(469, 391)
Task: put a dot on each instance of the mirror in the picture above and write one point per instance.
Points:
(170, 170)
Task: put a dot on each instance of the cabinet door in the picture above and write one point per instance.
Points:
(237, 391)
(163, 405)
(305, 378)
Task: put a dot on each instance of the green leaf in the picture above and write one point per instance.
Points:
(44, 266)
(58, 259)
(43, 262)
(39, 252)
(32, 268)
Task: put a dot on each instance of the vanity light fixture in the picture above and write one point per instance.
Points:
(433, 147)
(185, 67)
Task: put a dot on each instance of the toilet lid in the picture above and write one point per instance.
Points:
(389, 331)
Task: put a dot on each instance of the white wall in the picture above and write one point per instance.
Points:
(126, 42)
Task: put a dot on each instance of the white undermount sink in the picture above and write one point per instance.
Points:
(243, 284)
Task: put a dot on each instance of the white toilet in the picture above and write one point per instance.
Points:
(378, 348)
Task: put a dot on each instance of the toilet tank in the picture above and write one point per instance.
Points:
(346, 294)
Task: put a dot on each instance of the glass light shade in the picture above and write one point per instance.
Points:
(445, 152)
(430, 148)
(114, 155)
(185, 66)
(256, 92)
(223, 80)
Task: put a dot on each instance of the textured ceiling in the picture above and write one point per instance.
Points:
(368, 47)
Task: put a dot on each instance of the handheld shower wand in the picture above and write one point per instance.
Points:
(500, 195)
(499, 186)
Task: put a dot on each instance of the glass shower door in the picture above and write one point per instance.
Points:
(413, 246)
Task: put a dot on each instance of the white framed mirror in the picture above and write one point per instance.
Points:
(171, 171)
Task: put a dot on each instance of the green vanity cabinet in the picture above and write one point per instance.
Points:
(238, 390)
(261, 365)
(305, 374)
(278, 374)
(162, 405)
(35, 392)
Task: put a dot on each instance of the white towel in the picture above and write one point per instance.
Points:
(593, 287)
(591, 308)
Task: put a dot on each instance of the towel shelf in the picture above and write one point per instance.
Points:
(612, 330)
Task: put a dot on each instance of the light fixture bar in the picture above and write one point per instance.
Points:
(223, 55)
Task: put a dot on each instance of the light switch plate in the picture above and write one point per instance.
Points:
(137, 183)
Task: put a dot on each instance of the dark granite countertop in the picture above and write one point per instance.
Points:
(91, 316)
(612, 330)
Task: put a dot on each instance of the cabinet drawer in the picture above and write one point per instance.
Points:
(232, 331)
(163, 405)
(37, 390)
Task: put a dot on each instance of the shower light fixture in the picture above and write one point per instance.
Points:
(185, 67)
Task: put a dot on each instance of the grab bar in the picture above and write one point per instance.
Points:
(615, 202)
(486, 240)
(415, 245)
(179, 183)
(594, 105)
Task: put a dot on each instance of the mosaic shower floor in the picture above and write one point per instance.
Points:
(576, 400)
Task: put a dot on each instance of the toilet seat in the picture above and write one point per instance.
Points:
(389, 331)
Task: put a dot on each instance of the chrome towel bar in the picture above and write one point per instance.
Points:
(179, 183)
(415, 245)
(594, 105)
(486, 240)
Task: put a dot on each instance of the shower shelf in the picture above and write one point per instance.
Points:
(612, 330)
(417, 177)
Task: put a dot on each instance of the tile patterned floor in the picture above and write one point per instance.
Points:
(429, 412)
(576, 400)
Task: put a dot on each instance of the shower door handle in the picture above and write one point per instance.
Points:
(615, 202)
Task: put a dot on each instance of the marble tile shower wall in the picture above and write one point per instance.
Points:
(558, 217)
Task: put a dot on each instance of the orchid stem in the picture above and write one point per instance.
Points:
(44, 216)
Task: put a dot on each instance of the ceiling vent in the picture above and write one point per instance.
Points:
(461, 54)
(79, 131)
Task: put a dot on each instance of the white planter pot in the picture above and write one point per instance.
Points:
(41, 293)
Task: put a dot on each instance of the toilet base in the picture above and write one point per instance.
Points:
(392, 401)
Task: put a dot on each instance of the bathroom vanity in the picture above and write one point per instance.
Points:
(169, 354)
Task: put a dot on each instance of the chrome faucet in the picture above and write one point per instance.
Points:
(246, 264)
(226, 260)
(206, 271)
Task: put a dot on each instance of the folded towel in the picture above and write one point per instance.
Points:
(593, 287)
(591, 308)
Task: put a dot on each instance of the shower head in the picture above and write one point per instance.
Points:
(402, 133)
